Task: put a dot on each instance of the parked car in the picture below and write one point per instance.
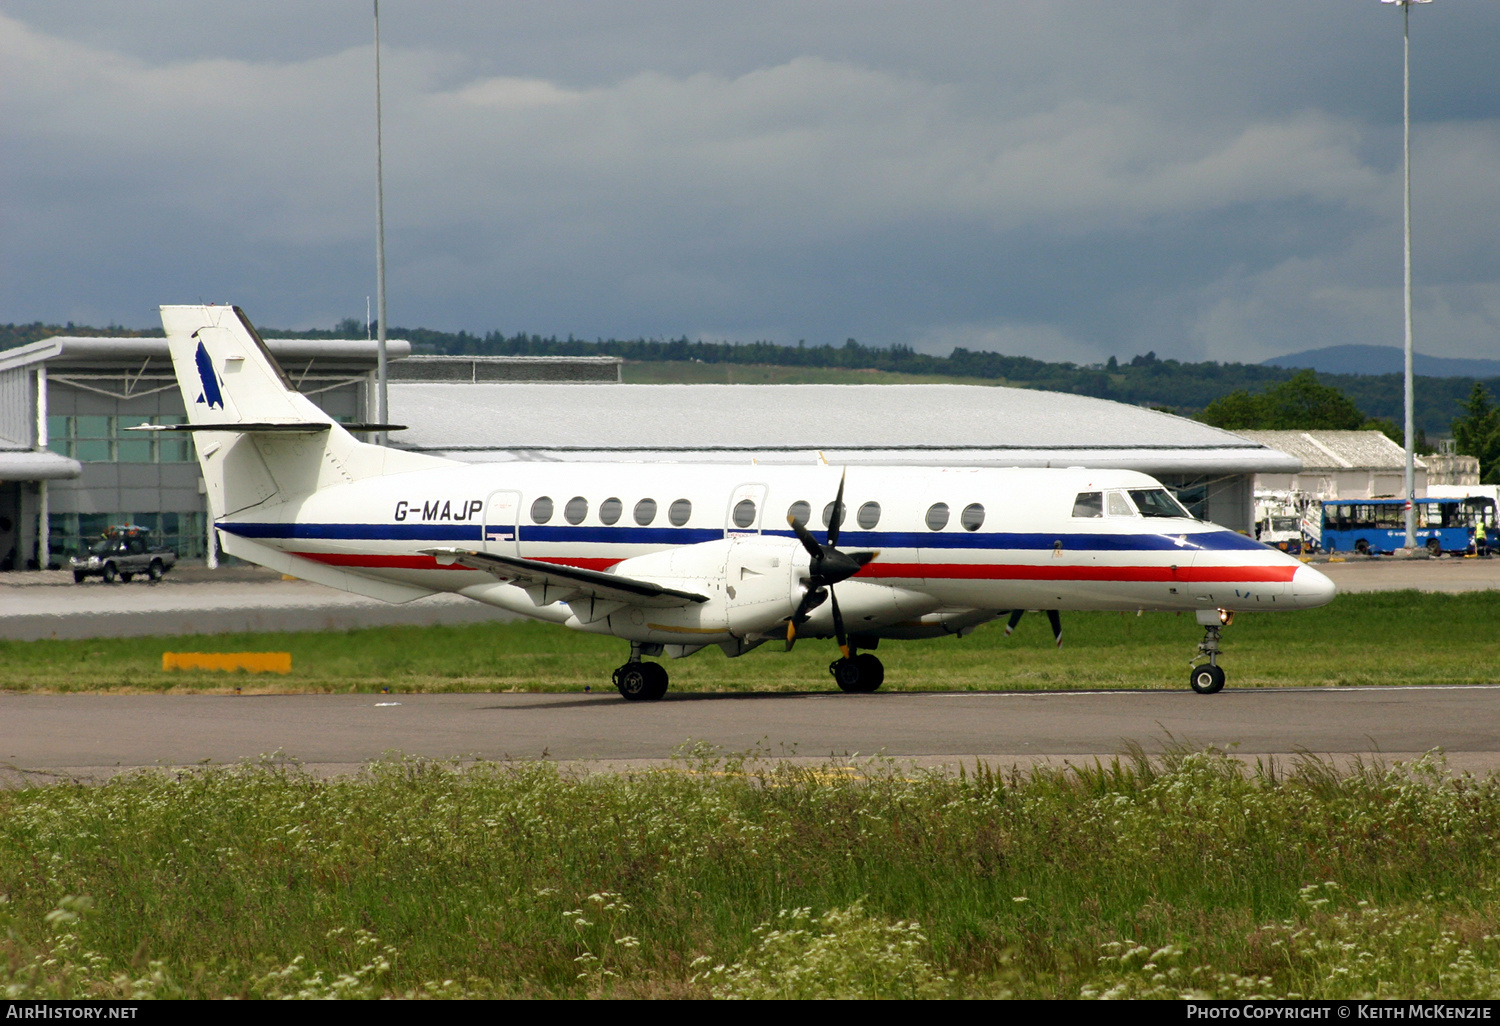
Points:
(120, 555)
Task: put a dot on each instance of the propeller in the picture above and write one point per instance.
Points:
(1053, 617)
(827, 567)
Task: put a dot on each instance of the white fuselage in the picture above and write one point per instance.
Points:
(1010, 540)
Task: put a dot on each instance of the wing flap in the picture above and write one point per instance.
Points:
(566, 580)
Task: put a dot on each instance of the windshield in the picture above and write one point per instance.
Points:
(99, 548)
(1283, 523)
(1157, 502)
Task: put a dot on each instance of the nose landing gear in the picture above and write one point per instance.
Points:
(1208, 678)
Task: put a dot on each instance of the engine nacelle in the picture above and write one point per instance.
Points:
(753, 584)
(865, 607)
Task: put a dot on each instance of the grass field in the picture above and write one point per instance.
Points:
(1382, 638)
(1193, 877)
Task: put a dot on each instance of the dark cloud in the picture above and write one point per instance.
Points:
(1069, 180)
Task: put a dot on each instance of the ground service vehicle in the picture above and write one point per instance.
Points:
(122, 553)
(672, 558)
(1378, 526)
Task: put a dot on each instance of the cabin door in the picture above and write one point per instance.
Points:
(500, 518)
(745, 512)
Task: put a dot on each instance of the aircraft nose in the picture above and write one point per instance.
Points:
(1311, 588)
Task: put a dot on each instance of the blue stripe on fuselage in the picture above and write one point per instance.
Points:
(1210, 541)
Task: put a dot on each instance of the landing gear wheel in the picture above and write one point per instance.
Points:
(111, 575)
(1207, 679)
(858, 675)
(641, 682)
(155, 571)
(1434, 548)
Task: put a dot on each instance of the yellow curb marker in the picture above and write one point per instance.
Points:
(251, 662)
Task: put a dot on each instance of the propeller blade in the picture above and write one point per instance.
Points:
(1015, 618)
(838, 624)
(1055, 619)
(838, 512)
(808, 541)
(811, 599)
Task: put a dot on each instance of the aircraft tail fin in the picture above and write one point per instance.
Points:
(259, 440)
(226, 373)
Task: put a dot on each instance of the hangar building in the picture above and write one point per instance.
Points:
(69, 467)
(1342, 464)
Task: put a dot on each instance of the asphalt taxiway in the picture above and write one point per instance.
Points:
(48, 737)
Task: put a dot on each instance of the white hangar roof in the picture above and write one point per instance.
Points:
(1338, 450)
(950, 425)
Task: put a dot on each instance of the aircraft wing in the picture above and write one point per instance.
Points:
(533, 573)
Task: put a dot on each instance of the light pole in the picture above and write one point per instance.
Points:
(1411, 474)
(381, 412)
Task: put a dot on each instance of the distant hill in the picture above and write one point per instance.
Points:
(1384, 360)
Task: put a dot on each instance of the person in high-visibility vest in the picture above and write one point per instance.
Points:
(1481, 541)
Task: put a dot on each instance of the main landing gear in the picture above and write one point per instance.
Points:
(641, 682)
(857, 674)
(1209, 678)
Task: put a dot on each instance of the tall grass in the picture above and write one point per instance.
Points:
(1384, 638)
(717, 877)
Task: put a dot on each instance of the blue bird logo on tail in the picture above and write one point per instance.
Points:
(211, 393)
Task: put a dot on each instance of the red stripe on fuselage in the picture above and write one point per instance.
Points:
(372, 561)
(1028, 572)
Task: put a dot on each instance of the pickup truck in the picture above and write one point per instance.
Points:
(120, 556)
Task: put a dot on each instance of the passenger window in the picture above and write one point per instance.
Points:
(828, 514)
(541, 510)
(1089, 504)
(610, 510)
(744, 513)
(645, 511)
(576, 509)
(869, 516)
(937, 516)
(972, 517)
(799, 511)
(679, 512)
(1119, 506)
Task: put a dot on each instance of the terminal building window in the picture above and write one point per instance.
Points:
(97, 439)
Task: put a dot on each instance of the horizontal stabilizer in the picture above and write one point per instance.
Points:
(529, 573)
(305, 427)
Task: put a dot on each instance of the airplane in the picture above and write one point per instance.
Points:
(672, 558)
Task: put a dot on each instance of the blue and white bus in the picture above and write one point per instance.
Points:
(1379, 525)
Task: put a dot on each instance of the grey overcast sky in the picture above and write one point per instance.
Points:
(1066, 180)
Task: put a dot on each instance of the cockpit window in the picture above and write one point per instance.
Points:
(1118, 505)
(1158, 502)
(1089, 504)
